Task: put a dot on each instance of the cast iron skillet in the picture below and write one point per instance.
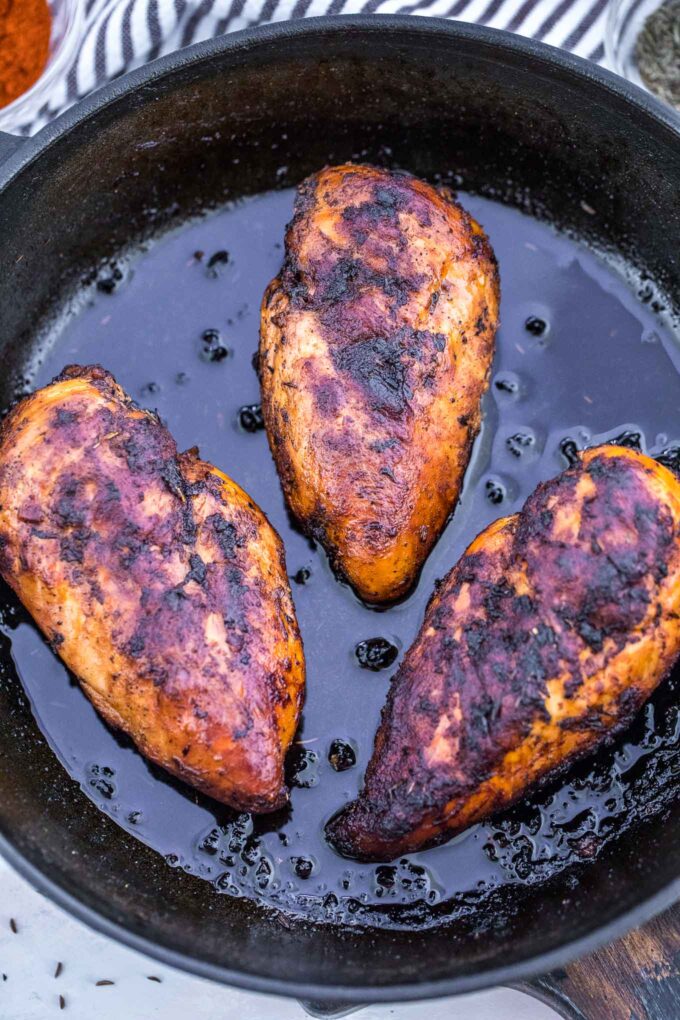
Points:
(519, 121)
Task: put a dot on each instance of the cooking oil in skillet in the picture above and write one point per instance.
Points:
(579, 357)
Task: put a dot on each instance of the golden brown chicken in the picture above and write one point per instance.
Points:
(375, 347)
(158, 581)
(547, 636)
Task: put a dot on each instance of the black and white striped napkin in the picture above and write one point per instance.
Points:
(122, 34)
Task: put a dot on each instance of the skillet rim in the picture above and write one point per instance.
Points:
(23, 152)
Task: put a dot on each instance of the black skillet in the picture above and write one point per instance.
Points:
(582, 355)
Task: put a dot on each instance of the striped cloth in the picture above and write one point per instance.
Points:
(122, 34)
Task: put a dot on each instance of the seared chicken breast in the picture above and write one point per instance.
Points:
(375, 347)
(545, 638)
(158, 581)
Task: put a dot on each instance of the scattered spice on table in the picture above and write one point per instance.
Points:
(657, 52)
(58, 969)
(13, 927)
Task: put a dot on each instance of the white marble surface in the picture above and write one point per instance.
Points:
(47, 936)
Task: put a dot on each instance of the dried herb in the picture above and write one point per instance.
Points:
(103, 983)
(152, 977)
(58, 969)
(13, 926)
(62, 1002)
(657, 52)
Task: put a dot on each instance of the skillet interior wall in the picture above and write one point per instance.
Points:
(235, 126)
(239, 124)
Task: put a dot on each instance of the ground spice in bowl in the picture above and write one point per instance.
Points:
(657, 52)
(25, 27)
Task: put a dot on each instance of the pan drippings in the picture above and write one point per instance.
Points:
(580, 358)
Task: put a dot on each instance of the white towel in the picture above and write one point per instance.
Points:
(122, 34)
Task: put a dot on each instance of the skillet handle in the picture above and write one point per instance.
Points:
(635, 978)
(9, 145)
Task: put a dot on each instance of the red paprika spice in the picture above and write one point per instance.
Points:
(25, 27)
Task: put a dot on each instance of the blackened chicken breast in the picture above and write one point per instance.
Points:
(545, 639)
(375, 347)
(159, 583)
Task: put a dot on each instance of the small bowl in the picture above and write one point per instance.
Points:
(68, 18)
(625, 20)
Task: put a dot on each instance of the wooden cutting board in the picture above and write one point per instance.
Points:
(635, 978)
